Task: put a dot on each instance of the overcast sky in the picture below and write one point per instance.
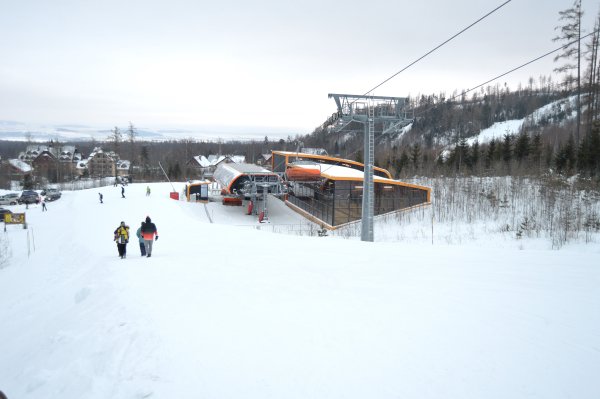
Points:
(248, 64)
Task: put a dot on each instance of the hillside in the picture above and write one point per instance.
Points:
(222, 310)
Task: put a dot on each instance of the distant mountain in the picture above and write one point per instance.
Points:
(19, 131)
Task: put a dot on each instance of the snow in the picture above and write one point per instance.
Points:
(497, 131)
(225, 311)
(513, 127)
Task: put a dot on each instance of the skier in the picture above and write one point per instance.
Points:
(43, 200)
(122, 238)
(147, 191)
(123, 191)
(100, 194)
(148, 232)
(141, 239)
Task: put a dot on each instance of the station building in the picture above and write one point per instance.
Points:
(328, 190)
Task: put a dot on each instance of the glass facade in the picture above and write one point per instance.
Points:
(336, 202)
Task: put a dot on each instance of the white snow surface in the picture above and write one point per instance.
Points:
(513, 126)
(497, 131)
(226, 311)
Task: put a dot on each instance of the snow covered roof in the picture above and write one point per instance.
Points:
(123, 164)
(314, 151)
(214, 160)
(20, 165)
(202, 161)
(237, 158)
(337, 172)
(226, 174)
(99, 150)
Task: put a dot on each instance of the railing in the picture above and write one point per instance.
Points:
(83, 184)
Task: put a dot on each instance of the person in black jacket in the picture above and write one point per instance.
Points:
(149, 232)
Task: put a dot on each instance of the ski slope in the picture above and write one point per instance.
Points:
(226, 311)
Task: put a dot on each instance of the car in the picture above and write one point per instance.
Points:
(3, 212)
(9, 199)
(51, 194)
(29, 197)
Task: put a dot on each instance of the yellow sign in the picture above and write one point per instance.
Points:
(14, 218)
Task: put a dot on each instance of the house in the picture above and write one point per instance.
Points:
(204, 167)
(52, 161)
(19, 167)
(264, 160)
(18, 170)
(123, 167)
(102, 163)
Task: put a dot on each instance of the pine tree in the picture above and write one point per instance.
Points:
(474, 155)
(415, 155)
(490, 154)
(536, 150)
(522, 147)
(144, 160)
(507, 148)
(569, 154)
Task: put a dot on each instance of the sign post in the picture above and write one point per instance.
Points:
(15, 218)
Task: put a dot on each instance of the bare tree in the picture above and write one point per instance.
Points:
(116, 137)
(594, 71)
(570, 32)
(131, 135)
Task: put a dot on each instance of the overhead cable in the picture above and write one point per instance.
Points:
(438, 46)
(512, 70)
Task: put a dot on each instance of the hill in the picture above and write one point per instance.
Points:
(223, 310)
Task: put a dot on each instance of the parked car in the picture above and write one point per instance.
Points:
(9, 199)
(3, 212)
(51, 194)
(29, 197)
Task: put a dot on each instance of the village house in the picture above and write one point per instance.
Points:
(203, 167)
(52, 162)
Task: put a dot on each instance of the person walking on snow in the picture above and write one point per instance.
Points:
(140, 237)
(147, 191)
(43, 200)
(100, 194)
(123, 191)
(149, 232)
(122, 238)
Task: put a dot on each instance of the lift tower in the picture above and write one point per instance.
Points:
(389, 113)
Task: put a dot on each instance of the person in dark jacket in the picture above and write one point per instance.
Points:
(150, 233)
(123, 191)
(140, 237)
(122, 238)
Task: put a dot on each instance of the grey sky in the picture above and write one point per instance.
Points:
(264, 63)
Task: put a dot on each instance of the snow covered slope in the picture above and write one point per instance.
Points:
(223, 311)
(547, 113)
